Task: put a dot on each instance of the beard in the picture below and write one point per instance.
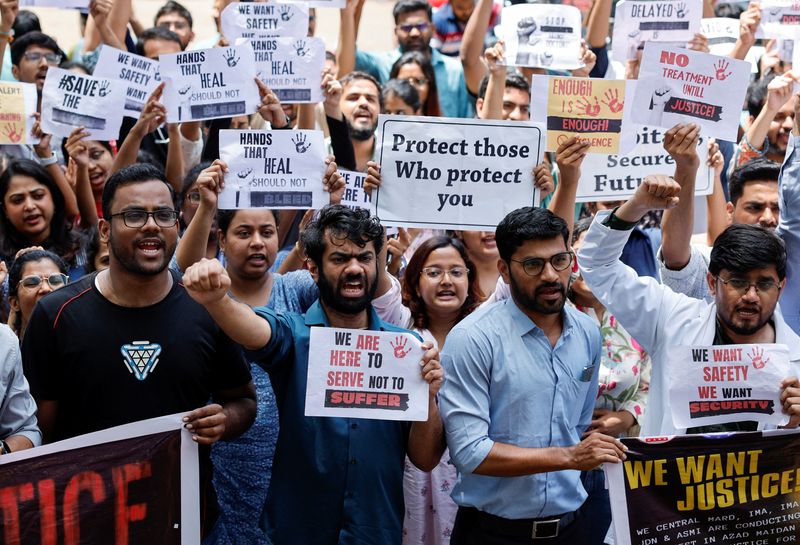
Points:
(126, 257)
(346, 305)
(740, 328)
(534, 303)
(361, 134)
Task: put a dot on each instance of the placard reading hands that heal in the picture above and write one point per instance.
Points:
(365, 374)
(71, 100)
(446, 173)
(210, 83)
(291, 67)
(542, 35)
(257, 19)
(18, 103)
(730, 383)
(639, 22)
(140, 74)
(273, 169)
(683, 86)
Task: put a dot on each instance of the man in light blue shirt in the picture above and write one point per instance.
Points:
(521, 386)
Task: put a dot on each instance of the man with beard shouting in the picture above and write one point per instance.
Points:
(334, 480)
(521, 387)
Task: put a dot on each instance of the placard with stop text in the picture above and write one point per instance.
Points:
(542, 36)
(291, 67)
(727, 488)
(779, 19)
(595, 109)
(210, 83)
(355, 373)
(262, 19)
(637, 22)
(615, 177)
(71, 100)
(140, 74)
(683, 86)
(18, 103)
(136, 483)
(445, 173)
(731, 383)
(273, 169)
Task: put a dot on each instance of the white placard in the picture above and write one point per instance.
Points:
(336, 4)
(727, 383)
(291, 67)
(722, 34)
(273, 169)
(616, 177)
(140, 74)
(71, 100)
(354, 373)
(779, 19)
(542, 36)
(446, 173)
(210, 83)
(256, 19)
(354, 194)
(684, 86)
(69, 4)
(18, 103)
(640, 21)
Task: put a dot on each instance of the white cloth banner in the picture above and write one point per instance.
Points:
(140, 74)
(354, 194)
(291, 67)
(273, 169)
(210, 83)
(542, 36)
(727, 383)
(355, 373)
(616, 177)
(637, 22)
(256, 19)
(779, 19)
(71, 100)
(445, 173)
(684, 86)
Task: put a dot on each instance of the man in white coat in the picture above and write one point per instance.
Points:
(746, 275)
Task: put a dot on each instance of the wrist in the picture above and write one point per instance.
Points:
(630, 212)
(47, 161)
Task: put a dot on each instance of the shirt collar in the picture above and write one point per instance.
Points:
(525, 325)
(315, 316)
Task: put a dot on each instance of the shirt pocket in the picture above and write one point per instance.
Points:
(575, 398)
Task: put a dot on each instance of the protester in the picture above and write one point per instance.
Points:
(176, 18)
(18, 430)
(416, 69)
(400, 98)
(33, 274)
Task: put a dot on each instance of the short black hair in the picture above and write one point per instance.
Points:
(743, 248)
(528, 223)
(757, 94)
(138, 173)
(21, 45)
(350, 77)
(404, 91)
(225, 218)
(26, 21)
(156, 33)
(755, 170)
(408, 6)
(174, 7)
(69, 65)
(343, 223)
(190, 179)
(330, 56)
(513, 79)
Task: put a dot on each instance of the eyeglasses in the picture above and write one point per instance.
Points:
(138, 218)
(435, 273)
(417, 82)
(533, 266)
(53, 59)
(742, 286)
(178, 25)
(421, 27)
(55, 281)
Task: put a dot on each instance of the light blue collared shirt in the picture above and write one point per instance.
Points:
(506, 383)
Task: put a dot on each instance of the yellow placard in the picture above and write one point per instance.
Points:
(13, 123)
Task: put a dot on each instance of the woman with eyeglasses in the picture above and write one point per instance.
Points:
(440, 288)
(416, 69)
(34, 273)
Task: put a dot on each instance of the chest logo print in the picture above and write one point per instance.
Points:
(141, 357)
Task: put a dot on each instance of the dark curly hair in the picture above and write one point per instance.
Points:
(343, 223)
(411, 297)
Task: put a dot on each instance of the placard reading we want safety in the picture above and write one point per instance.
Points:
(365, 374)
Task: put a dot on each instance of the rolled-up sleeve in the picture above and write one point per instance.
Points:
(691, 279)
(18, 409)
(464, 400)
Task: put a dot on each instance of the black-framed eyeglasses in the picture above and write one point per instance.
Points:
(436, 273)
(742, 286)
(55, 281)
(53, 59)
(533, 266)
(421, 27)
(138, 218)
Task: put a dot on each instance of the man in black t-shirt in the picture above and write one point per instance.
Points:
(128, 343)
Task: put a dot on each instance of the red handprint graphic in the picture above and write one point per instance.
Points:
(611, 97)
(10, 131)
(400, 348)
(756, 356)
(720, 66)
(588, 108)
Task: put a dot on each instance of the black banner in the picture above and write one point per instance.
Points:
(664, 25)
(583, 125)
(366, 400)
(684, 106)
